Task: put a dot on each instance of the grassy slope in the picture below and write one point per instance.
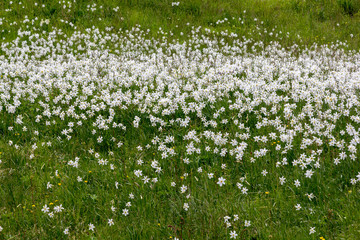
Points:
(312, 20)
(319, 21)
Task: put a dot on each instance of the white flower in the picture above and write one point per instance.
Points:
(221, 181)
(45, 209)
(138, 173)
(125, 212)
(91, 227)
(58, 208)
(146, 179)
(282, 180)
(297, 183)
(49, 185)
(227, 218)
(136, 122)
(309, 173)
(110, 222)
(183, 188)
(233, 234)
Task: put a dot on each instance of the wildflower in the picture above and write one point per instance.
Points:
(221, 181)
(58, 208)
(138, 173)
(233, 234)
(45, 209)
(309, 173)
(110, 222)
(91, 227)
(125, 212)
(183, 188)
(49, 185)
(310, 196)
(146, 179)
(297, 183)
(282, 180)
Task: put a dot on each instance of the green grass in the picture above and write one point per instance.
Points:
(316, 21)
(157, 211)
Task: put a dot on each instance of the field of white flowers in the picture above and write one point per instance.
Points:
(116, 135)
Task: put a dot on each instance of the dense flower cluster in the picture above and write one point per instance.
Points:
(182, 111)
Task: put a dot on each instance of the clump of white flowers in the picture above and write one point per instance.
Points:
(183, 113)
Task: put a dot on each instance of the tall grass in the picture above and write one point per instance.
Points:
(320, 21)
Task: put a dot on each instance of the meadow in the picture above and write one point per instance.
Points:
(179, 119)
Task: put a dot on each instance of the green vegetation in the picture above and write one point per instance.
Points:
(110, 135)
(320, 21)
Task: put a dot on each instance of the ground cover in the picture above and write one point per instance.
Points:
(234, 129)
(320, 21)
